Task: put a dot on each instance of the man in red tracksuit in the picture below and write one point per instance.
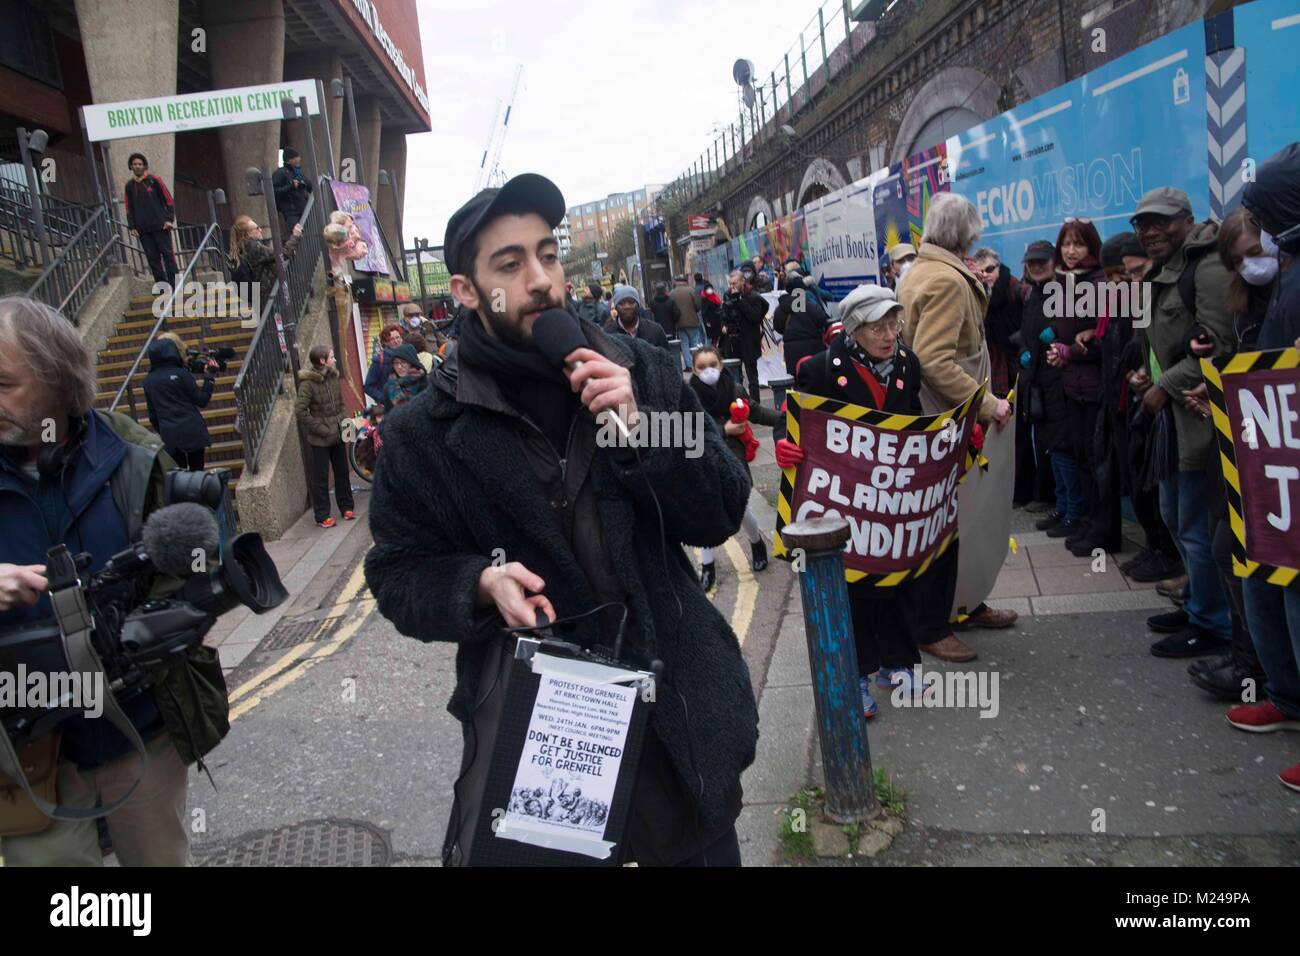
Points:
(151, 215)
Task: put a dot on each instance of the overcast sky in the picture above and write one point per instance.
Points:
(615, 93)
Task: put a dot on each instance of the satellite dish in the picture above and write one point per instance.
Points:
(749, 96)
(743, 72)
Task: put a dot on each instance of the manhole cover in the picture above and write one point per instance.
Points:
(292, 633)
(310, 843)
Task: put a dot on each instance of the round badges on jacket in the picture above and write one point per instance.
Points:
(841, 381)
(835, 362)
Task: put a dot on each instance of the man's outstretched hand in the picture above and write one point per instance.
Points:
(506, 586)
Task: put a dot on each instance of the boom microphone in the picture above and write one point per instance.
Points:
(557, 335)
(172, 535)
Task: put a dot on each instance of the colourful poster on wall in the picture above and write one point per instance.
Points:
(354, 199)
(841, 242)
(889, 197)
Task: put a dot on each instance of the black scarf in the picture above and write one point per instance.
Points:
(716, 399)
(529, 382)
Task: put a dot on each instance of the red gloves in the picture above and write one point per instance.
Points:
(740, 416)
(788, 454)
(977, 437)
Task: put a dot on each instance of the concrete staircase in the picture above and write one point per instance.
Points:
(224, 329)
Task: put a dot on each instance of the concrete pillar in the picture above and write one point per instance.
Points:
(246, 48)
(368, 128)
(392, 156)
(130, 49)
(324, 66)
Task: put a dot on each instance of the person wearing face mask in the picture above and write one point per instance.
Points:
(1272, 203)
(901, 257)
(1238, 248)
(868, 366)
(407, 378)
(718, 392)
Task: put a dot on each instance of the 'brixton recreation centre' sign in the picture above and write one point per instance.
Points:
(188, 111)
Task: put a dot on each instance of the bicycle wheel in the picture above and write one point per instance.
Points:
(365, 474)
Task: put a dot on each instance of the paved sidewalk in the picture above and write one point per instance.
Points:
(301, 555)
(1090, 730)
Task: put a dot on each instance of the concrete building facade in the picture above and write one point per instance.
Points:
(68, 53)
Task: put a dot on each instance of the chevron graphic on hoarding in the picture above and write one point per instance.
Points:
(1225, 110)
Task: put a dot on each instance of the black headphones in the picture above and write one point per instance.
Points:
(53, 458)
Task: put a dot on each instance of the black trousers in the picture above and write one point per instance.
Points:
(1146, 508)
(884, 626)
(749, 354)
(322, 461)
(189, 460)
(157, 245)
(934, 593)
(725, 851)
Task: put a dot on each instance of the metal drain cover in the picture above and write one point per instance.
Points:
(292, 633)
(309, 843)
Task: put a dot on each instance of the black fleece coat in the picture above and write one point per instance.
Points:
(453, 485)
(174, 399)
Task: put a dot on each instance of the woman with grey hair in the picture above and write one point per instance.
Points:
(944, 306)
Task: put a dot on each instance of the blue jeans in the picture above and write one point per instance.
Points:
(690, 337)
(1069, 489)
(1273, 619)
(1184, 505)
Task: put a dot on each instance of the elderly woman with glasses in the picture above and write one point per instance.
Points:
(867, 365)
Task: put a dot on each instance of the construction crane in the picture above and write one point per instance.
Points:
(489, 172)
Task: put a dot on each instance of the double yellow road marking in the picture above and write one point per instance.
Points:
(298, 660)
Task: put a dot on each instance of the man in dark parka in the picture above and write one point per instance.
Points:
(501, 452)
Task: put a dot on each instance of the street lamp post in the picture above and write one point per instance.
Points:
(292, 110)
(388, 177)
(28, 143)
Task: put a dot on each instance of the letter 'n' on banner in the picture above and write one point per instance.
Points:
(893, 478)
(1255, 402)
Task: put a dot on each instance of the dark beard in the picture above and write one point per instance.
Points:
(511, 333)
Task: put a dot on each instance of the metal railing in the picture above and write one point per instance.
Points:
(825, 46)
(260, 380)
(128, 388)
(301, 266)
(81, 266)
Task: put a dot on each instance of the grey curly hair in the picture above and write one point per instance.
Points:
(51, 347)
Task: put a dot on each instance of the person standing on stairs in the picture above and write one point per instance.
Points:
(174, 400)
(151, 215)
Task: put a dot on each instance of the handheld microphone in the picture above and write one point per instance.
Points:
(558, 336)
(173, 534)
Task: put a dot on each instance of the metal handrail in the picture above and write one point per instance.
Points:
(263, 376)
(157, 326)
(53, 272)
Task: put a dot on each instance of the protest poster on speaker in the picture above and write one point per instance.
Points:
(568, 771)
(893, 478)
(1256, 412)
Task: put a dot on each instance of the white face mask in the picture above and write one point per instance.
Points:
(902, 270)
(1267, 243)
(1258, 270)
(709, 376)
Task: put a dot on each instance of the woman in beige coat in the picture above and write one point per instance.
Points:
(943, 323)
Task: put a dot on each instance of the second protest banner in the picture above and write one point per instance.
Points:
(893, 477)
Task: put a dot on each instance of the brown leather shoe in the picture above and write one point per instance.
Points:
(951, 648)
(993, 617)
(1173, 588)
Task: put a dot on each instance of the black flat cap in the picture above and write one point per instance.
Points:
(527, 192)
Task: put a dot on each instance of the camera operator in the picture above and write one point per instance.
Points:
(87, 479)
(174, 400)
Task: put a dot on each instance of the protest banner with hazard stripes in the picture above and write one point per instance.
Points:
(892, 477)
(1255, 402)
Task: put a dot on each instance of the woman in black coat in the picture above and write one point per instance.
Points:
(801, 321)
(174, 400)
(717, 392)
(867, 365)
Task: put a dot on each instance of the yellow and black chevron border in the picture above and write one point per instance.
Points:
(796, 402)
(1214, 370)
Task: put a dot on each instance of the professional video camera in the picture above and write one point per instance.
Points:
(131, 635)
(197, 359)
